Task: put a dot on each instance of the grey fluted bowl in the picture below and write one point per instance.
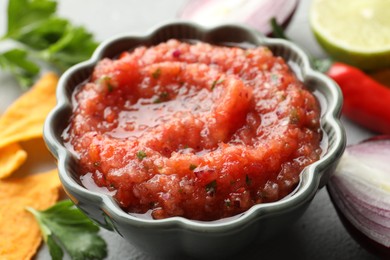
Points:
(179, 236)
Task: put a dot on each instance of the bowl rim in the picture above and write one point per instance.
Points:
(310, 177)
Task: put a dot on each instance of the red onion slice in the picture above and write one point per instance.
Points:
(360, 191)
(255, 13)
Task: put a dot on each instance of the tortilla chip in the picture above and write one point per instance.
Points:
(24, 119)
(20, 235)
(33, 186)
(11, 157)
(20, 242)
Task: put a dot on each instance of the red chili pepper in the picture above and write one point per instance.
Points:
(366, 101)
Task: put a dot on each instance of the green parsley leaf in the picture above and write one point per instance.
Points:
(211, 186)
(193, 167)
(106, 82)
(35, 27)
(164, 96)
(156, 74)
(294, 116)
(275, 78)
(110, 88)
(74, 45)
(141, 155)
(216, 82)
(25, 15)
(248, 180)
(17, 62)
(97, 164)
(65, 226)
(42, 35)
(277, 29)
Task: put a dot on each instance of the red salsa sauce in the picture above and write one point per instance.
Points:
(193, 129)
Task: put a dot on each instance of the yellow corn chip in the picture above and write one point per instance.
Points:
(32, 186)
(21, 242)
(24, 119)
(11, 157)
(20, 235)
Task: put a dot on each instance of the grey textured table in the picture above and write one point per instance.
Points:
(317, 235)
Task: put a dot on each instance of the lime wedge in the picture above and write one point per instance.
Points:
(356, 32)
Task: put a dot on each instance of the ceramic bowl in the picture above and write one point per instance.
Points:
(179, 236)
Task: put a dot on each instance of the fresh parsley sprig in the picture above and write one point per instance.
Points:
(16, 61)
(63, 226)
(42, 37)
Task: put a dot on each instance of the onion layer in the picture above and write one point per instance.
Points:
(255, 13)
(360, 191)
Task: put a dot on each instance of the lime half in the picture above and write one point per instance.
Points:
(356, 32)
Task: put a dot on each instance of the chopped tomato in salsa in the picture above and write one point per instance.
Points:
(194, 130)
